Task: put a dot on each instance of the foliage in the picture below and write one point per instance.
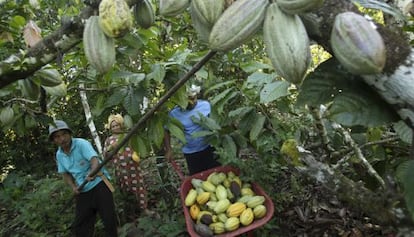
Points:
(254, 112)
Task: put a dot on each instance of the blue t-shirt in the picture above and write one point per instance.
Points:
(186, 118)
(77, 162)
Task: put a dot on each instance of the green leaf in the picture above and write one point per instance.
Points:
(156, 131)
(352, 101)
(274, 91)
(408, 183)
(207, 123)
(138, 144)
(352, 109)
(258, 79)
(230, 146)
(176, 131)
(257, 126)
(403, 131)
(240, 112)
(254, 66)
(157, 72)
(132, 100)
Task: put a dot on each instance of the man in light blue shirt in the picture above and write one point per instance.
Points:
(198, 153)
(76, 159)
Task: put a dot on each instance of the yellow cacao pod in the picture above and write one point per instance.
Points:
(217, 228)
(235, 209)
(357, 44)
(247, 216)
(173, 7)
(194, 211)
(259, 211)
(99, 48)
(221, 206)
(299, 6)
(287, 44)
(115, 17)
(202, 198)
(255, 201)
(191, 197)
(135, 157)
(232, 223)
(239, 22)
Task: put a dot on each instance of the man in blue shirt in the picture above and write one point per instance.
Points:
(76, 159)
(198, 153)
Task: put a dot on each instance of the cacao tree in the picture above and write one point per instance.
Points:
(149, 60)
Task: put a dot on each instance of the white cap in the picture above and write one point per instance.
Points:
(59, 125)
(193, 90)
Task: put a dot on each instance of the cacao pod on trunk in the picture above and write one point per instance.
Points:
(99, 48)
(208, 10)
(144, 14)
(115, 17)
(299, 6)
(173, 7)
(287, 44)
(357, 44)
(238, 23)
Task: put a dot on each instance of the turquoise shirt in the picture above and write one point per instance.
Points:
(77, 162)
(186, 118)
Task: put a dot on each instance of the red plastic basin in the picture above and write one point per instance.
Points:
(186, 186)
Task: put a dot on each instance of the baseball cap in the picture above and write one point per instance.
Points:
(59, 125)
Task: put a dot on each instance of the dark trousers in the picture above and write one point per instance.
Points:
(202, 160)
(98, 200)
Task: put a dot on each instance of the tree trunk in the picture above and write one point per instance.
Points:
(376, 205)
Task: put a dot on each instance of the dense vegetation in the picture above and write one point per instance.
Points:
(356, 141)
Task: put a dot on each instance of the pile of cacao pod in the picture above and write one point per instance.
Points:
(224, 27)
(223, 203)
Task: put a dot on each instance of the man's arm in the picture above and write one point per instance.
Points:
(69, 180)
(94, 166)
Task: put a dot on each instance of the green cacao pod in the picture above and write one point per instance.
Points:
(144, 14)
(29, 88)
(115, 17)
(357, 44)
(58, 91)
(287, 44)
(299, 6)
(49, 76)
(208, 10)
(232, 223)
(203, 29)
(99, 48)
(259, 211)
(173, 7)
(221, 206)
(217, 228)
(6, 115)
(239, 22)
(255, 201)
